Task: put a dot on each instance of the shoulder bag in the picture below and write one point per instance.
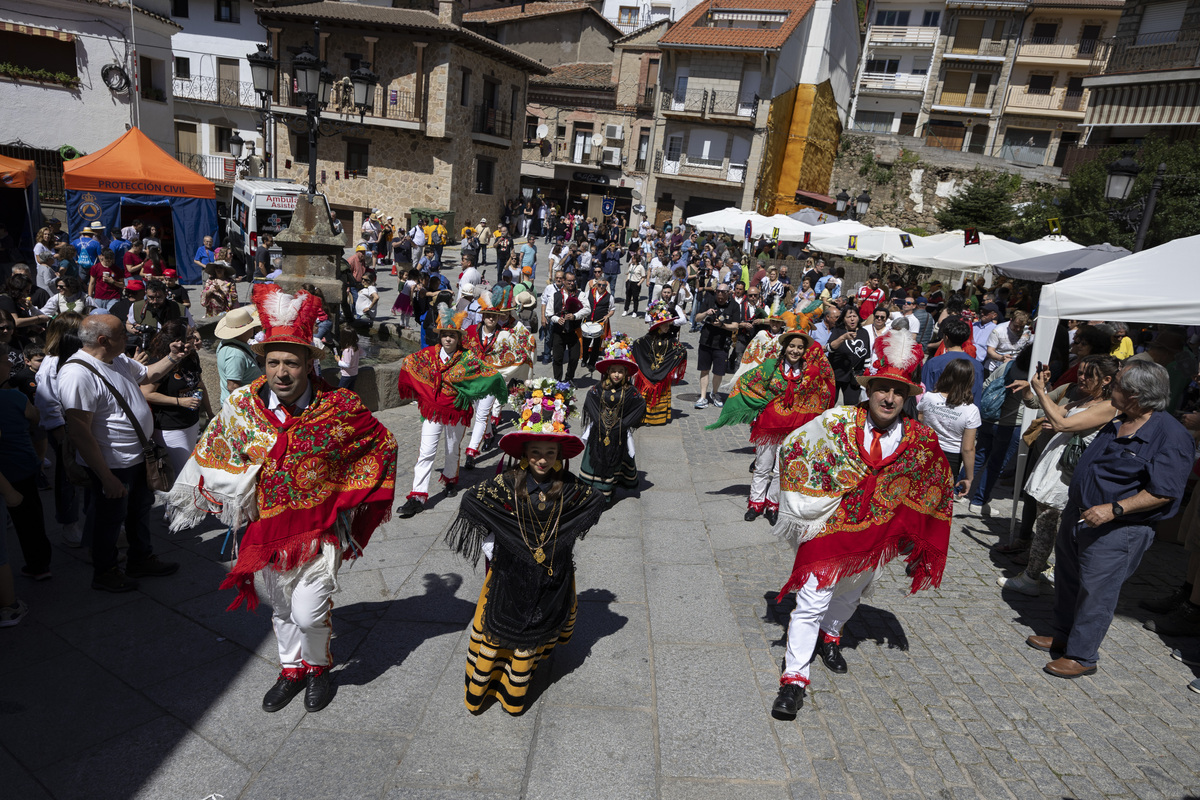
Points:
(1071, 454)
(158, 468)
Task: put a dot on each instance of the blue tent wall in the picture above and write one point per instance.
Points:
(192, 218)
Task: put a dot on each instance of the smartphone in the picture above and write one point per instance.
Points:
(1040, 368)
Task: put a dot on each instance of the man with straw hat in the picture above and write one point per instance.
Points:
(311, 471)
(507, 346)
(236, 363)
(859, 486)
(775, 398)
(445, 379)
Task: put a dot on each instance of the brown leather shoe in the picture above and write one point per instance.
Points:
(1067, 668)
(1046, 643)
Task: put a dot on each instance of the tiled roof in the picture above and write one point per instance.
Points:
(694, 30)
(647, 35)
(526, 11)
(136, 7)
(402, 18)
(592, 76)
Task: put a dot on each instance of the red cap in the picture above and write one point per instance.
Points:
(170, 273)
(135, 286)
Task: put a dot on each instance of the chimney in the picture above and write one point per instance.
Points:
(449, 12)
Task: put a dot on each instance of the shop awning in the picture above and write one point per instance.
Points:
(1168, 103)
(29, 30)
(17, 173)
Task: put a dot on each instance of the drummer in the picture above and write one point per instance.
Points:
(598, 308)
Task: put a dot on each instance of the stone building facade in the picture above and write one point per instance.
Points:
(441, 132)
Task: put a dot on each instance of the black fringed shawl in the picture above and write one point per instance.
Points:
(604, 458)
(526, 607)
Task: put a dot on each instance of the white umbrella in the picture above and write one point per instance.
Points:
(1053, 244)
(718, 221)
(1051, 267)
(869, 244)
(810, 216)
(952, 253)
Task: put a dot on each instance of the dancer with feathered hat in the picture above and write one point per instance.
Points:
(312, 472)
(661, 360)
(860, 485)
(612, 410)
(525, 523)
(445, 379)
(507, 346)
(775, 398)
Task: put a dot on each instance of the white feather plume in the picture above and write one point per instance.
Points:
(282, 309)
(899, 351)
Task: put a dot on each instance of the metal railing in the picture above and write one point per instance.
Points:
(221, 169)
(387, 103)
(492, 121)
(49, 165)
(892, 82)
(987, 47)
(903, 35)
(628, 25)
(1049, 48)
(648, 97)
(1024, 154)
(1058, 98)
(639, 165)
(692, 101)
(731, 104)
(963, 100)
(219, 91)
(715, 169)
(1168, 50)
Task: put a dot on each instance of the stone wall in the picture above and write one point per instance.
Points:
(909, 182)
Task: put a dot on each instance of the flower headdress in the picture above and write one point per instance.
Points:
(543, 407)
(618, 349)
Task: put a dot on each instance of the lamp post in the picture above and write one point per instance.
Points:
(861, 204)
(314, 84)
(1122, 174)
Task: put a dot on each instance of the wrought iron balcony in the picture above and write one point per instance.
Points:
(220, 169)
(218, 91)
(711, 169)
(1154, 51)
(493, 122)
(1039, 49)
(386, 103)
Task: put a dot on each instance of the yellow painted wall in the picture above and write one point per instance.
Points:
(803, 158)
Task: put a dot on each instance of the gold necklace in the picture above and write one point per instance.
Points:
(538, 547)
(610, 415)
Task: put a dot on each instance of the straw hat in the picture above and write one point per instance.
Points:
(236, 322)
(525, 300)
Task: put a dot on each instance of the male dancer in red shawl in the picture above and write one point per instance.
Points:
(314, 474)
(445, 379)
(860, 485)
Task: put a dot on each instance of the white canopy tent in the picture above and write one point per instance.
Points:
(952, 253)
(1052, 244)
(871, 243)
(1053, 266)
(810, 216)
(1156, 286)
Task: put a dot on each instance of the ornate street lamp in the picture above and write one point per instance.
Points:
(262, 71)
(864, 202)
(1121, 175)
(842, 199)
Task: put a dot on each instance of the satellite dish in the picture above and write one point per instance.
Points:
(542, 130)
(597, 140)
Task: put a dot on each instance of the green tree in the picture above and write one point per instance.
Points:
(986, 205)
(1082, 208)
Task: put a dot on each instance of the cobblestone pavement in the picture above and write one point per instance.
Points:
(663, 692)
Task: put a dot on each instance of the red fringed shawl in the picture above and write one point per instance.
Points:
(850, 515)
(444, 392)
(333, 458)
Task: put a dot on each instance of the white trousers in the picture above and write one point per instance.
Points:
(179, 444)
(765, 483)
(302, 618)
(483, 423)
(423, 471)
(819, 610)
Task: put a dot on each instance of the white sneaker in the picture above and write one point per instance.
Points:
(73, 534)
(701, 403)
(10, 616)
(1021, 583)
(717, 401)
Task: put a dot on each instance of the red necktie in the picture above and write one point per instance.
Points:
(876, 451)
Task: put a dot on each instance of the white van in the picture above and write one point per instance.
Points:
(259, 206)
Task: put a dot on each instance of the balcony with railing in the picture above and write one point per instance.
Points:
(219, 169)
(892, 82)
(712, 170)
(972, 49)
(218, 91)
(647, 98)
(492, 122)
(1071, 102)
(903, 36)
(710, 103)
(627, 23)
(1147, 52)
(386, 103)
(962, 100)
(1053, 51)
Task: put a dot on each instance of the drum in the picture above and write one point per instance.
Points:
(592, 330)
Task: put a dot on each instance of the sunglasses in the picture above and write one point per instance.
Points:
(909, 303)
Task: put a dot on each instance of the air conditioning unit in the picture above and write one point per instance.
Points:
(614, 132)
(611, 156)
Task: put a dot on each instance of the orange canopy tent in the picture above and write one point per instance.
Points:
(133, 173)
(19, 202)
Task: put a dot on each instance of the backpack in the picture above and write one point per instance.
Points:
(435, 237)
(994, 394)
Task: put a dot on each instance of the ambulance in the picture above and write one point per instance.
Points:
(259, 206)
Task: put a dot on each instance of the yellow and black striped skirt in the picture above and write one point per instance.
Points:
(505, 674)
(660, 412)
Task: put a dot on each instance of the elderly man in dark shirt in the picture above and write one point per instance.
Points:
(1131, 476)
